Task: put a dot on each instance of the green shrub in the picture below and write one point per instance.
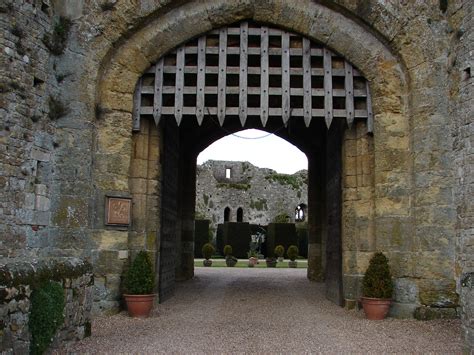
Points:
(292, 252)
(207, 250)
(56, 42)
(281, 218)
(279, 251)
(46, 317)
(228, 250)
(57, 109)
(377, 281)
(140, 277)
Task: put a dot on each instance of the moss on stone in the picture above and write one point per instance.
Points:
(260, 204)
(35, 275)
(236, 186)
(284, 179)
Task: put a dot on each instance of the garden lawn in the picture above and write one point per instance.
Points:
(244, 263)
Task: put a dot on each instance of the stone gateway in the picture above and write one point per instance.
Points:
(115, 99)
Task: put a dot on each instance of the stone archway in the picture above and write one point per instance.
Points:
(315, 21)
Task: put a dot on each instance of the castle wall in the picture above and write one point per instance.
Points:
(261, 193)
(66, 137)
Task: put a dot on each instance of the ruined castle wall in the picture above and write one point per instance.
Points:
(261, 193)
(460, 62)
(29, 137)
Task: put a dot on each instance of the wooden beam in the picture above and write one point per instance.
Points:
(137, 103)
(221, 81)
(178, 96)
(243, 73)
(349, 88)
(201, 79)
(307, 92)
(158, 91)
(370, 115)
(264, 75)
(285, 76)
(327, 87)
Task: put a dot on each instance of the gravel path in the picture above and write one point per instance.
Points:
(229, 310)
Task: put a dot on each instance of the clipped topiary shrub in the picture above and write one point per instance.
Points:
(279, 251)
(228, 250)
(140, 277)
(46, 317)
(377, 281)
(292, 252)
(207, 251)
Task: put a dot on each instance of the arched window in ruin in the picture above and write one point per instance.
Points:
(240, 214)
(300, 212)
(226, 214)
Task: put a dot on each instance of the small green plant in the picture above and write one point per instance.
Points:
(377, 281)
(228, 250)
(207, 250)
(279, 251)
(140, 277)
(56, 41)
(56, 108)
(46, 317)
(284, 179)
(292, 252)
(281, 218)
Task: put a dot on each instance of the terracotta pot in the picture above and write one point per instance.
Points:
(253, 261)
(375, 308)
(271, 262)
(230, 261)
(207, 262)
(139, 305)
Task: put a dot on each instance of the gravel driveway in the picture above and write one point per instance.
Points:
(230, 310)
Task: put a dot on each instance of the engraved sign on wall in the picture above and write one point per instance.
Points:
(118, 211)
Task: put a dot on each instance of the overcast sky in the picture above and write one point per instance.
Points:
(268, 152)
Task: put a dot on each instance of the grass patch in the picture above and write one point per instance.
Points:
(302, 264)
(284, 179)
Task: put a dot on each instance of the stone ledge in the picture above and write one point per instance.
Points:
(18, 281)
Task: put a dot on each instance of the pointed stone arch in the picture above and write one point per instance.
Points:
(358, 45)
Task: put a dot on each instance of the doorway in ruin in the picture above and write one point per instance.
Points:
(252, 76)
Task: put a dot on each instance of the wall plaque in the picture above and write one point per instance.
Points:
(118, 211)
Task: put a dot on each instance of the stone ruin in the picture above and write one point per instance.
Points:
(249, 194)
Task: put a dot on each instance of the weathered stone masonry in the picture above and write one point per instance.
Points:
(406, 190)
(255, 190)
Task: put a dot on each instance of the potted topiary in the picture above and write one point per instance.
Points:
(271, 261)
(253, 257)
(279, 252)
(207, 251)
(292, 253)
(139, 283)
(377, 288)
(229, 259)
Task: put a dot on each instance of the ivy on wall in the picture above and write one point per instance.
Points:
(47, 315)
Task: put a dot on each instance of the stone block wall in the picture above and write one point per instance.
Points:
(27, 133)
(417, 56)
(19, 280)
(461, 82)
